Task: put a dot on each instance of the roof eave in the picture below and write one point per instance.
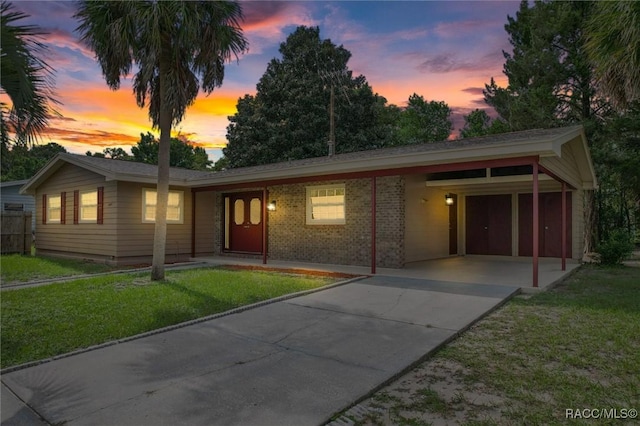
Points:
(399, 161)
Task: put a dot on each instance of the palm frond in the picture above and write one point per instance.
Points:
(25, 77)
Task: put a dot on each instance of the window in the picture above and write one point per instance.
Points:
(88, 206)
(175, 206)
(325, 205)
(54, 209)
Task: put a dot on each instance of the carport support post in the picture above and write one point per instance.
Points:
(373, 225)
(536, 224)
(564, 226)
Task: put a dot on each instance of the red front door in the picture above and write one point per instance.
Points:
(488, 224)
(245, 222)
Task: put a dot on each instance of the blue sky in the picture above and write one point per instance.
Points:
(444, 51)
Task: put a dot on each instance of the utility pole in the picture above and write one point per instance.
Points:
(332, 124)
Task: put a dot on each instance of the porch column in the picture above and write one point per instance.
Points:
(373, 225)
(193, 223)
(564, 226)
(264, 225)
(536, 224)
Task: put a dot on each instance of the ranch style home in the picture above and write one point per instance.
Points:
(514, 194)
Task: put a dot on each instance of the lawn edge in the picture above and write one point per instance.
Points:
(47, 281)
(179, 325)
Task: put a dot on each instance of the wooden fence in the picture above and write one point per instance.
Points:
(15, 230)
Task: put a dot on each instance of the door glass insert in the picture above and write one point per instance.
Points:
(255, 212)
(238, 212)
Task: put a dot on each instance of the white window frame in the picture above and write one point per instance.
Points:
(146, 191)
(50, 209)
(314, 221)
(81, 206)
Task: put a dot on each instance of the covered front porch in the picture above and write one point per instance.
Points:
(496, 270)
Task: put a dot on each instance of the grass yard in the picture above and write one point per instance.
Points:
(575, 347)
(16, 268)
(41, 322)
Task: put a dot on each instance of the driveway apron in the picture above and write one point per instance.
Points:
(294, 362)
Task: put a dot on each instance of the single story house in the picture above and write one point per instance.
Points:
(514, 194)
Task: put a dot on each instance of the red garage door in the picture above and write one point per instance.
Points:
(550, 224)
(488, 224)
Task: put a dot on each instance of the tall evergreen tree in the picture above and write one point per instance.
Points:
(289, 117)
(550, 80)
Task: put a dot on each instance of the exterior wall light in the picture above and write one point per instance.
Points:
(271, 206)
(448, 199)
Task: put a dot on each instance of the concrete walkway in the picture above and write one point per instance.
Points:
(293, 362)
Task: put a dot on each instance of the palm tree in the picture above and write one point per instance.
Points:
(613, 46)
(177, 47)
(25, 77)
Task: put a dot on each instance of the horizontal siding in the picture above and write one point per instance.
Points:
(82, 238)
(205, 222)
(135, 238)
(565, 166)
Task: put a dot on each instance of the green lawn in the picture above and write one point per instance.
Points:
(45, 321)
(17, 268)
(574, 347)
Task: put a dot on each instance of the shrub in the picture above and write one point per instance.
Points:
(616, 248)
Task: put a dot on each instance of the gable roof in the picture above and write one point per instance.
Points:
(543, 143)
(128, 171)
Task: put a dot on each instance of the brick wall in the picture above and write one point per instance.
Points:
(290, 238)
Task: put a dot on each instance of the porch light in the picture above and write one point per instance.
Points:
(448, 199)
(271, 206)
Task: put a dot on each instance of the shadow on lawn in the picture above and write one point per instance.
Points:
(596, 288)
(200, 304)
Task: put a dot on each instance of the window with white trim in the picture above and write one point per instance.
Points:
(325, 205)
(88, 206)
(175, 206)
(54, 208)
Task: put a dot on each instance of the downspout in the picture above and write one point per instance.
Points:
(373, 225)
(536, 224)
(264, 225)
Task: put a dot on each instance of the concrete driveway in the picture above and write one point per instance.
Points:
(293, 362)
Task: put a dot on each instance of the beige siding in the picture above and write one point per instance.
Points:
(135, 238)
(84, 239)
(206, 213)
(427, 223)
(565, 167)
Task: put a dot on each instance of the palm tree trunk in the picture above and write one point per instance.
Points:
(160, 233)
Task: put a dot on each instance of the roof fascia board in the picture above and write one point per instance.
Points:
(432, 168)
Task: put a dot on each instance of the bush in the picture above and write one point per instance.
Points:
(616, 248)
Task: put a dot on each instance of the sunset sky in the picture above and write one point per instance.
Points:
(444, 51)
